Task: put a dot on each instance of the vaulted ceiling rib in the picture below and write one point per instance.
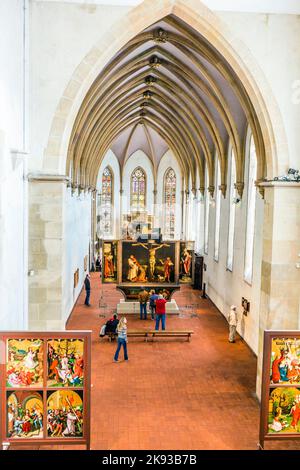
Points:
(180, 92)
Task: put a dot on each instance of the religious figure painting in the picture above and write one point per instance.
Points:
(24, 414)
(285, 361)
(65, 362)
(186, 262)
(284, 410)
(148, 262)
(110, 258)
(24, 363)
(65, 414)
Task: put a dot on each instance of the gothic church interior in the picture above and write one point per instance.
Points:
(160, 139)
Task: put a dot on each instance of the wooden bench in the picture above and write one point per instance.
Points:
(111, 336)
(171, 333)
(137, 333)
(160, 333)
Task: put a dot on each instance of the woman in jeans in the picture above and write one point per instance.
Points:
(122, 339)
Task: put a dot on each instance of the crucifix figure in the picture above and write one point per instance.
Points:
(152, 256)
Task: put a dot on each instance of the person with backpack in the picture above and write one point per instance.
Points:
(153, 299)
(111, 326)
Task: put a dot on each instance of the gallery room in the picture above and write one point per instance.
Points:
(150, 225)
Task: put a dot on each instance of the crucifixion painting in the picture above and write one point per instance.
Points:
(152, 256)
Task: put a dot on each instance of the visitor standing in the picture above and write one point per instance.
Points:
(87, 285)
(98, 263)
(153, 299)
(122, 339)
(160, 307)
(143, 299)
(232, 322)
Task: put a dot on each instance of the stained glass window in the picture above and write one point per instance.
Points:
(170, 203)
(106, 202)
(138, 190)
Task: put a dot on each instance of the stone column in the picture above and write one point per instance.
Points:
(280, 280)
(187, 220)
(93, 225)
(182, 234)
(46, 252)
(200, 222)
(119, 234)
(155, 210)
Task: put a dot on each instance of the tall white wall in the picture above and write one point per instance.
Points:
(77, 235)
(225, 287)
(61, 34)
(13, 187)
(274, 42)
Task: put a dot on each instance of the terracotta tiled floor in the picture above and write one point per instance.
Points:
(172, 394)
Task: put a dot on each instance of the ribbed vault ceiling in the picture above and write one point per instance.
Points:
(167, 88)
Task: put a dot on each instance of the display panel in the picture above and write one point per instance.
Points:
(45, 387)
(280, 399)
(148, 262)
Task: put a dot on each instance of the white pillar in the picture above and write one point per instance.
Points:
(280, 272)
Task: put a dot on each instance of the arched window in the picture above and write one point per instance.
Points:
(218, 213)
(231, 213)
(138, 190)
(206, 221)
(106, 219)
(170, 202)
(251, 203)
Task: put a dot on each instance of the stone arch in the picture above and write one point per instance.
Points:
(218, 34)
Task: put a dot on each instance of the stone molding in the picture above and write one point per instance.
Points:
(40, 177)
(279, 184)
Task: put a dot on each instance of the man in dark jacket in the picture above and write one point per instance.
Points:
(87, 285)
(111, 324)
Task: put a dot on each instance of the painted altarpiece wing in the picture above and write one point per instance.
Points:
(65, 413)
(65, 362)
(110, 261)
(186, 262)
(280, 397)
(24, 363)
(45, 387)
(24, 414)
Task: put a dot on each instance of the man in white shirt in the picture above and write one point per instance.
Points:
(232, 321)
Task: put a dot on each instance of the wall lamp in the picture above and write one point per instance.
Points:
(236, 200)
